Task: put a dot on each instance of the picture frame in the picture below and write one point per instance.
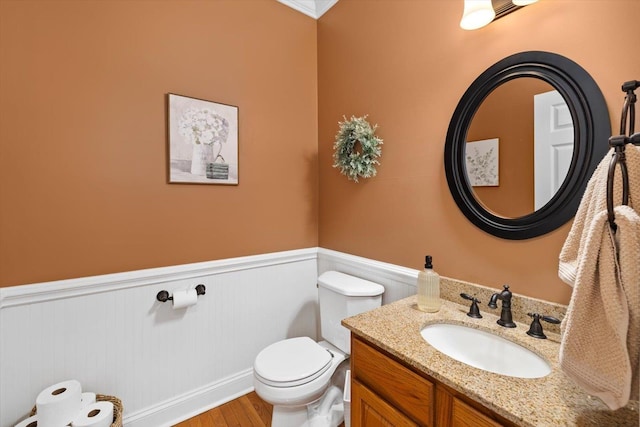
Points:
(481, 158)
(203, 141)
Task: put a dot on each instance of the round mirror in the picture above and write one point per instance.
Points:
(523, 142)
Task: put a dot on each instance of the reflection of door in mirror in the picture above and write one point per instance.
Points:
(553, 143)
(507, 114)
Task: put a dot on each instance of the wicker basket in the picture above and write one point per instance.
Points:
(117, 408)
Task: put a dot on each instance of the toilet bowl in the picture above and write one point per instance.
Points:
(304, 379)
(295, 374)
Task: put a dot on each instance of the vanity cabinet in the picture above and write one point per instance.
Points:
(369, 409)
(386, 392)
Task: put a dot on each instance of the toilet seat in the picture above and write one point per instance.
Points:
(292, 362)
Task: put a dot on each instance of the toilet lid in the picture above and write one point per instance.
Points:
(292, 362)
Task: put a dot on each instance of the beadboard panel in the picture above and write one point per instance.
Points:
(166, 365)
(399, 282)
(110, 333)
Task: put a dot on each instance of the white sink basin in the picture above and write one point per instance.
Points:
(486, 351)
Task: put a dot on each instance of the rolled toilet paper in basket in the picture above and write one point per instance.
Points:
(29, 422)
(88, 398)
(59, 404)
(99, 414)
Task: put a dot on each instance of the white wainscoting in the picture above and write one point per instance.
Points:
(111, 334)
(166, 365)
(399, 282)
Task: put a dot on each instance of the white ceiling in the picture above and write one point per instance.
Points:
(312, 8)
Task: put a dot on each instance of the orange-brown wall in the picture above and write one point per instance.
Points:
(83, 162)
(406, 63)
(83, 130)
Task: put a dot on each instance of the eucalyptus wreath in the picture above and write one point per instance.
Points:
(357, 148)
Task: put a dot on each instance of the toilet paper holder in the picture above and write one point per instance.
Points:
(163, 296)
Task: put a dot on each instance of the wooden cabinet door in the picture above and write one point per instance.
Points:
(454, 412)
(370, 410)
(464, 415)
(402, 388)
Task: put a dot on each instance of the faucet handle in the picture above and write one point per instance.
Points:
(535, 330)
(550, 319)
(474, 311)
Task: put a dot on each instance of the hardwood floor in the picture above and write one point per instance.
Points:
(246, 411)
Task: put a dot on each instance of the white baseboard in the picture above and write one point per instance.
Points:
(193, 403)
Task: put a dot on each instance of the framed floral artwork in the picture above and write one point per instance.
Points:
(482, 162)
(203, 141)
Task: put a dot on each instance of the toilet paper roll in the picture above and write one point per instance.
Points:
(59, 404)
(88, 398)
(185, 298)
(99, 414)
(29, 422)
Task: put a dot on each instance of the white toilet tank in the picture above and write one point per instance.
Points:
(340, 296)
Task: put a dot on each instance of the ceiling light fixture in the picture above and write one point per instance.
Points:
(477, 14)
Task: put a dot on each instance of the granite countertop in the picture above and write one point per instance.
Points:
(540, 402)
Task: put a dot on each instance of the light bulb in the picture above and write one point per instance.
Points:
(477, 13)
(523, 2)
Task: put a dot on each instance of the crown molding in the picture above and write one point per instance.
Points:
(312, 8)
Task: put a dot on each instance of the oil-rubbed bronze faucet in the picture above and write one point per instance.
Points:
(505, 319)
(535, 330)
(474, 311)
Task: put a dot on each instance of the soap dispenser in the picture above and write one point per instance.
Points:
(428, 288)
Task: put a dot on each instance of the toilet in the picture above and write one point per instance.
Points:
(304, 379)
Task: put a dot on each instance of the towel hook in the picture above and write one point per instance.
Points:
(629, 106)
(618, 143)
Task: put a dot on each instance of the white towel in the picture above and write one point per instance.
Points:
(593, 201)
(601, 330)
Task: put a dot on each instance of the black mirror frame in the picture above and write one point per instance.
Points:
(592, 129)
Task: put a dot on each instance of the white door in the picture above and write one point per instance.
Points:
(553, 145)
